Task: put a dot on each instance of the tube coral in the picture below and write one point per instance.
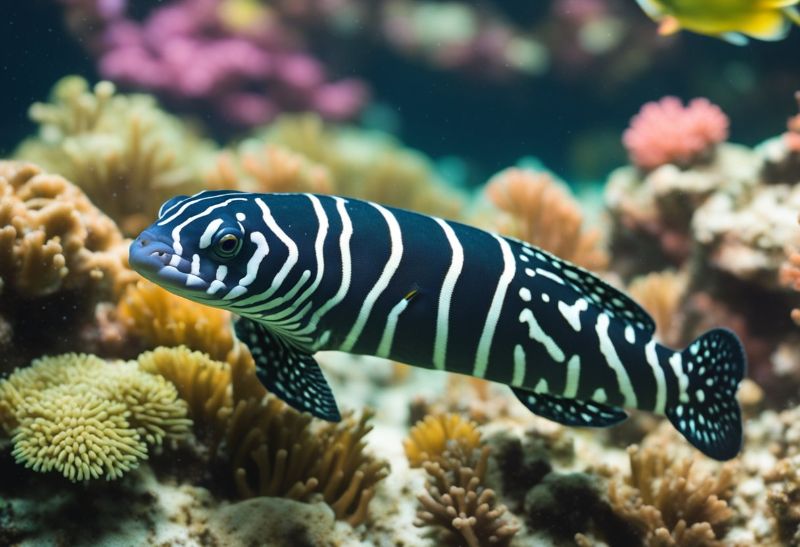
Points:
(86, 418)
(542, 213)
(125, 153)
(669, 505)
(668, 132)
(456, 504)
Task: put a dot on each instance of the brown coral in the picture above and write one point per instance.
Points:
(276, 451)
(59, 257)
(124, 152)
(542, 213)
(783, 498)
(668, 504)
(456, 504)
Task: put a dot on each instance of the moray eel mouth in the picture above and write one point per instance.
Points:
(157, 261)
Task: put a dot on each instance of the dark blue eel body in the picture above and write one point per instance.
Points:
(311, 272)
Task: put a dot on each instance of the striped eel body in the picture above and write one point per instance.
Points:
(309, 272)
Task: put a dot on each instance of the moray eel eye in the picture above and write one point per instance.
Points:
(227, 245)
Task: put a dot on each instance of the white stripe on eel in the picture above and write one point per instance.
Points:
(493, 316)
(610, 353)
(396, 245)
(446, 295)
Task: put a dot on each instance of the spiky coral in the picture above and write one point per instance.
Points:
(669, 505)
(86, 418)
(543, 213)
(456, 504)
(667, 132)
(124, 152)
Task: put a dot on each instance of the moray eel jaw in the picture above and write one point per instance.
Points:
(157, 261)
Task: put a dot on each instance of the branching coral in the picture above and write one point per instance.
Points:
(667, 132)
(124, 152)
(456, 504)
(59, 257)
(667, 504)
(660, 294)
(543, 213)
(86, 418)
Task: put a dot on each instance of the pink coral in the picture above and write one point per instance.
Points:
(667, 132)
(186, 51)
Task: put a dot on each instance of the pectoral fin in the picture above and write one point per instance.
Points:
(292, 375)
(570, 411)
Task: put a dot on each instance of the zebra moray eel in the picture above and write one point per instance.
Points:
(310, 272)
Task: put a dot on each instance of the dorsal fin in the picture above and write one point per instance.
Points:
(610, 299)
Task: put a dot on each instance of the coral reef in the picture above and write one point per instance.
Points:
(122, 150)
(456, 504)
(667, 132)
(234, 60)
(667, 504)
(86, 418)
(540, 211)
(59, 256)
(783, 499)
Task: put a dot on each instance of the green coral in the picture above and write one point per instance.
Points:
(86, 418)
(122, 150)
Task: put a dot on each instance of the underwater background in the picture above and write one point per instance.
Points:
(666, 164)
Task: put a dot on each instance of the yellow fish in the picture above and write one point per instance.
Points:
(730, 20)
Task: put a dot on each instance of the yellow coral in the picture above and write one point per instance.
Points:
(79, 434)
(159, 318)
(430, 437)
(125, 153)
(52, 238)
(541, 212)
(86, 418)
(668, 504)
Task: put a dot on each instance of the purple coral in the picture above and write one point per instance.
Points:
(186, 52)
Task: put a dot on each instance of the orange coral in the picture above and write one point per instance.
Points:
(271, 168)
(544, 214)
